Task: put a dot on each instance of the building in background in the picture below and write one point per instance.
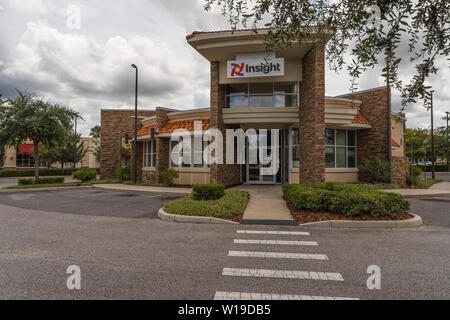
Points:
(321, 138)
(22, 157)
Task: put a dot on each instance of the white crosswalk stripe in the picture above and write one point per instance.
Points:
(276, 242)
(220, 295)
(287, 233)
(279, 255)
(275, 273)
(285, 274)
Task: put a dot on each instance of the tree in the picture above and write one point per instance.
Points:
(95, 134)
(28, 117)
(418, 139)
(370, 29)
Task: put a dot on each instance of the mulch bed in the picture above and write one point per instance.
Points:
(237, 218)
(306, 216)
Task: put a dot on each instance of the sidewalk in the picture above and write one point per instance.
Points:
(266, 205)
(131, 188)
(439, 189)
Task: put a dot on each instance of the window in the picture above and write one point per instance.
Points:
(27, 161)
(340, 148)
(149, 154)
(266, 94)
(295, 145)
(193, 157)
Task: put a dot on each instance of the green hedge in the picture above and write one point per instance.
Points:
(212, 191)
(42, 172)
(85, 175)
(233, 202)
(349, 200)
(56, 180)
(438, 168)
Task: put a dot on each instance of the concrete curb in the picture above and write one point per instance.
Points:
(191, 219)
(410, 223)
(164, 192)
(431, 195)
(42, 189)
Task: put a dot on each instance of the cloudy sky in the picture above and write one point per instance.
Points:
(88, 68)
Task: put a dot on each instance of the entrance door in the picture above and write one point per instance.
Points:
(255, 174)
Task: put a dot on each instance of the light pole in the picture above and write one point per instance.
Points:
(135, 128)
(448, 146)
(433, 171)
(75, 145)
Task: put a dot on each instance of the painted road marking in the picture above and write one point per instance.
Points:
(280, 255)
(277, 242)
(285, 274)
(287, 233)
(221, 295)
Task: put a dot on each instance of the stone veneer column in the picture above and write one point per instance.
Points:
(115, 125)
(220, 173)
(162, 144)
(312, 117)
(372, 143)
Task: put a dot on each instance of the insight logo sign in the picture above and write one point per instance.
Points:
(255, 68)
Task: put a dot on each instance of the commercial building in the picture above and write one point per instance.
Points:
(320, 138)
(22, 157)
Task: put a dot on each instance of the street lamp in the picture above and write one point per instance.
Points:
(448, 146)
(135, 127)
(433, 171)
(75, 144)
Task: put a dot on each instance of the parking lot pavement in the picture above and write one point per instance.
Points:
(89, 202)
(127, 258)
(443, 176)
(434, 211)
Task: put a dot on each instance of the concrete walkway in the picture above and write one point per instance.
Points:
(131, 188)
(266, 205)
(439, 189)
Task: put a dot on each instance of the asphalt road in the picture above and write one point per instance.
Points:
(90, 202)
(128, 258)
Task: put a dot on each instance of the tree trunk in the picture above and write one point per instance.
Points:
(36, 160)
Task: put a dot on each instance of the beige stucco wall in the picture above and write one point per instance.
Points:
(191, 177)
(398, 134)
(10, 158)
(341, 176)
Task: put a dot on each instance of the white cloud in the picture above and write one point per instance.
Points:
(90, 68)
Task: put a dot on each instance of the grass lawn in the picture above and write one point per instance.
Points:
(425, 184)
(62, 185)
(142, 184)
(231, 204)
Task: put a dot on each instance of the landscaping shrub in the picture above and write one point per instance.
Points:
(346, 199)
(232, 203)
(210, 191)
(168, 177)
(30, 173)
(85, 175)
(124, 174)
(377, 170)
(56, 180)
(24, 182)
(415, 170)
(437, 168)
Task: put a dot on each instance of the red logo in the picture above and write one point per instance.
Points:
(237, 69)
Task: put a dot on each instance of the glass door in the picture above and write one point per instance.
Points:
(255, 174)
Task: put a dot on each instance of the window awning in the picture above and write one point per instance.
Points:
(26, 148)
